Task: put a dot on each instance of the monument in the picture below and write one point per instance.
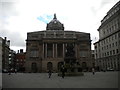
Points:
(70, 64)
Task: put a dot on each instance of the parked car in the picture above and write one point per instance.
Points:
(110, 69)
(5, 71)
(11, 70)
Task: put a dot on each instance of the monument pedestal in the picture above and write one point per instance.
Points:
(70, 62)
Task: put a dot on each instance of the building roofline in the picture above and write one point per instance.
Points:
(58, 31)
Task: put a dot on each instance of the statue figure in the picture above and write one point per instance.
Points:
(70, 54)
(70, 51)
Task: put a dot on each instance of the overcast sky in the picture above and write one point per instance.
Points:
(17, 17)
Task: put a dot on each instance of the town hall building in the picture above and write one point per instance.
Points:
(46, 49)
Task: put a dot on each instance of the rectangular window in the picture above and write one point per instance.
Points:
(113, 44)
(110, 29)
(95, 47)
(107, 40)
(113, 51)
(84, 46)
(104, 41)
(112, 37)
(115, 36)
(102, 48)
(60, 50)
(116, 43)
(102, 54)
(34, 53)
(119, 35)
(110, 45)
(49, 50)
(83, 53)
(117, 51)
(105, 54)
(110, 52)
(107, 46)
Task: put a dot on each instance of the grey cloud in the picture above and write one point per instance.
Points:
(105, 2)
(7, 10)
(102, 5)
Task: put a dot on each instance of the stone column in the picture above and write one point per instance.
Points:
(46, 50)
(76, 50)
(53, 50)
(63, 50)
(43, 50)
(56, 50)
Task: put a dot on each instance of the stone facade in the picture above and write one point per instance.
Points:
(46, 49)
(4, 52)
(0, 54)
(107, 49)
(12, 58)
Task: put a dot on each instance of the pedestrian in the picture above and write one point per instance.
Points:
(93, 71)
(15, 70)
(63, 72)
(49, 73)
(9, 72)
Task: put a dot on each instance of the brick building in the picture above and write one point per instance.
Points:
(20, 61)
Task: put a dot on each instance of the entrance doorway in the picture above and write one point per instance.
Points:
(34, 67)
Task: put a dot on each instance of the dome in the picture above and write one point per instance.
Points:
(55, 24)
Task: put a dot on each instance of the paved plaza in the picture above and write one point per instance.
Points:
(41, 80)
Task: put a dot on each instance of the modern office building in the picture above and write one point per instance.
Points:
(12, 59)
(46, 49)
(107, 49)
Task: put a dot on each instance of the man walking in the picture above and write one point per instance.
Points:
(63, 72)
(9, 72)
(93, 71)
(49, 73)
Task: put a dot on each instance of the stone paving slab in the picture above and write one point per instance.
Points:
(41, 80)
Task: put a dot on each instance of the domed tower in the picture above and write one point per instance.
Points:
(55, 24)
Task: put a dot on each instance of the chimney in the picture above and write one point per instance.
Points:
(21, 50)
(5, 38)
(18, 51)
(8, 42)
